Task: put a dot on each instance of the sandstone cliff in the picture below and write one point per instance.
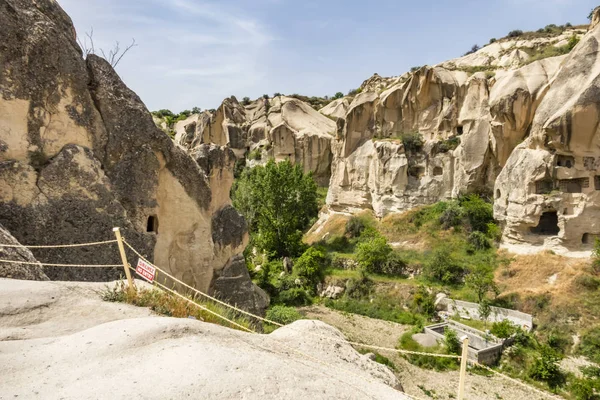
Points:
(283, 128)
(80, 153)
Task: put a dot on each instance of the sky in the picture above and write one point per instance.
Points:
(194, 53)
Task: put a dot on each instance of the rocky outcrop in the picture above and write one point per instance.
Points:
(282, 128)
(24, 265)
(80, 153)
(549, 190)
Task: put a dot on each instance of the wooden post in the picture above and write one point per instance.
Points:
(117, 232)
(463, 367)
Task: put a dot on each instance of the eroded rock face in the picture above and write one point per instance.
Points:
(549, 190)
(80, 154)
(282, 128)
(16, 270)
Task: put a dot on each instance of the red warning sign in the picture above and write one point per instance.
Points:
(146, 270)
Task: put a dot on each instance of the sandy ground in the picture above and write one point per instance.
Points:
(60, 341)
(417, 382)
(526, 249)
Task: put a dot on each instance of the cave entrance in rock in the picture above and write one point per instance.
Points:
(152, 225)
(548, 225)
(437, 171)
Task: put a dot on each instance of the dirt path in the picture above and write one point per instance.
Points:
(417, 382)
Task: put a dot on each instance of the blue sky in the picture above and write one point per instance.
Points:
(197, 52)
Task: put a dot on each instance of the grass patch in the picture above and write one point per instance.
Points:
(381, 307)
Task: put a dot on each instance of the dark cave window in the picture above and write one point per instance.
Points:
(152, 225)
(437, 171)
(548, 225)
(459, 130)
(498, 193)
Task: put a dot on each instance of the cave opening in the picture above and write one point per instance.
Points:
(437, 171)
(548, 225)
(152, 225)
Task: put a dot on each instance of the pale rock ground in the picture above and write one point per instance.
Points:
(60, 341)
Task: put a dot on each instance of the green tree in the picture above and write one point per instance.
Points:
(596, 256)
(372, 254)
(484, 310)
(481, 280)
(546, 368)
(338, 95)
(442, 267)
(196, 110)
(278, 201)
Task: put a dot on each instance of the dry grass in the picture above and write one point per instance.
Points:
(169, 305)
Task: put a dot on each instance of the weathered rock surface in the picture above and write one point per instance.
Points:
(282, 128)
(549, 190)
(16, 270)
(80, 153)
(172, 358)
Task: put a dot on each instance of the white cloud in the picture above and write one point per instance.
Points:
(190, 52)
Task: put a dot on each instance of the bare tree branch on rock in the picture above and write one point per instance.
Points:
(114, 55)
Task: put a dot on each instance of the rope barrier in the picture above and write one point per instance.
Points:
(56, 246)
(516, 381)
(63, 265)
(419, 353)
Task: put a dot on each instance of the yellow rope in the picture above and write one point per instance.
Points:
(56, 246)
(63, 265)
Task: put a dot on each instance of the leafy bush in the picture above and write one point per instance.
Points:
(163, 113)
(493, 40)
(583, 389)
(423, 303)
(443, 268)
(546, 368)
(479, 212)
(494, 232)
(447, 145)
(311, 266)
(415, 68)
(451, 341)
(503, 329)
(478, 240)
(354, 227)
(474, 49)
(596, 256)
(515, 33)
(590, 344)
(282, 314)
(338, 243)
(246, 101)
(255, 154)
(338, 95)
(357, 288)
(394, 265)
(573, 40)
(380, 308)
(452, 216)
(412, 141)
(481, 280)
(294, 297)
(373, 253)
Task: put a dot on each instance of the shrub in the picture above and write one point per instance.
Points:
(515, 33)
(573, 40)
(474, 49)
(357, 288)
(338, 95)
(493, 40)
(246, 101)
(443, 268)
(311, 266)
(452, 216)
(423, 302)
(412, 141)
(546, 368)
(294, 297)
(503, 329)
(415, 68)
(436, 363)
(583, 389)
(451, 341)
(373, 253)
(590, 344)
(354, 227)
(478, 240)
(338, 243)
(596, 257)
(478, 212)
(494, 232)
(196, 110)
(277, 94)
(255, 154)
(394, 265)
(282, 314)
(481, 280)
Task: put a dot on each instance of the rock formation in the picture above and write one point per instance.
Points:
(19, 255)
(549, 190)
(283, 128)
(80, 153)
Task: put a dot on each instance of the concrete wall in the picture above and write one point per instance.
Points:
(465, 308)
